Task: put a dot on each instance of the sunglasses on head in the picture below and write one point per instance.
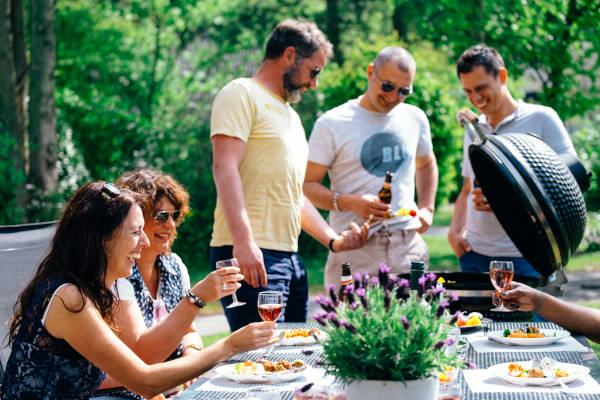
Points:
(160, 217)
(388, 87)
(110, 191)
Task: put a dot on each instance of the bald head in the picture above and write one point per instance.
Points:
(399, 56)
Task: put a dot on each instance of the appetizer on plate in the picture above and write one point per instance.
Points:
(527, 332)
(266, 367)
(516, 370)
(301, 336)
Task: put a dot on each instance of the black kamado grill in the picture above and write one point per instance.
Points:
(535, 194)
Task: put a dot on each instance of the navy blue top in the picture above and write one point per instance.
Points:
(43, 367)
(171, 290)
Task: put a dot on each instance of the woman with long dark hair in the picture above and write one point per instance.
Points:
(63, 334)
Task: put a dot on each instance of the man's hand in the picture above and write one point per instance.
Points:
(251, 263)
(365, 205)
(458, 243)
(351, 239)
(481, 203)
(426, 218)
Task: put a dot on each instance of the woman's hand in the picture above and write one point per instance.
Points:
(253, 336)
(521, 297)
(219, 283)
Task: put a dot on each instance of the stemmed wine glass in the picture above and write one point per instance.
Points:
(501, 275)
(270, 305)
(232, 262)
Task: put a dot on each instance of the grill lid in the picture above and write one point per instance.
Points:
(535, 196)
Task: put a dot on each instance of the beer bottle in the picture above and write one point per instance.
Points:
(345, 280)
(385, 194)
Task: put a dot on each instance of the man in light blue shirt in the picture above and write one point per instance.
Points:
(475, 235)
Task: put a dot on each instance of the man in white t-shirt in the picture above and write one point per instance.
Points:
(356, 144)
(475, 234)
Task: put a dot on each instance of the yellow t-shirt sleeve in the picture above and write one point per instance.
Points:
(232, 112)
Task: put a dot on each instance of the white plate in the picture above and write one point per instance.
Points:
(498, 336)
(228, 371)
(575, 371)
(301, 340)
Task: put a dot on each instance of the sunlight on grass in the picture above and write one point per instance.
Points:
(210, 339)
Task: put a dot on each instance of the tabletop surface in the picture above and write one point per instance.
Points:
(211, 386)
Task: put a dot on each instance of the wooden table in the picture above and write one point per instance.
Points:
(483, 360)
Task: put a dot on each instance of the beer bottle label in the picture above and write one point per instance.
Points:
(346, 279)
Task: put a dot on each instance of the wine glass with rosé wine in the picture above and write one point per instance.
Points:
(232, 262)
(501, 275)
(270, 305)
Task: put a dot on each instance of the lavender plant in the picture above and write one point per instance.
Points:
(385, 332)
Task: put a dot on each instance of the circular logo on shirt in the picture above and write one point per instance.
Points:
(382, 152)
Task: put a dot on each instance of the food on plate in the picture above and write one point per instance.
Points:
(289, 333)
(266, 367)
(402, 213)
(473, 319)
(449, 374)
(516, 370)
(527, 332)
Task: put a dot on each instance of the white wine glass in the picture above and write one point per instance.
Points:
(232, 262)
(501, 275)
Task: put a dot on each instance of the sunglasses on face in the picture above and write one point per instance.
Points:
(160, 217)
(314, 73)
(387, 87)
(110, 191)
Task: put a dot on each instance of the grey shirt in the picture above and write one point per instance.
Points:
(484, 232)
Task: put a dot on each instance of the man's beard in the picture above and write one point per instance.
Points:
(292, 91)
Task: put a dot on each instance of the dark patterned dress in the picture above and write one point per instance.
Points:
(43, 367)
(172, 290)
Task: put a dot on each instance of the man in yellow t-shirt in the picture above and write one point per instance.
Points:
(259, 160)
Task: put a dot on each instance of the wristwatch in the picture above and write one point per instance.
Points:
(192, 298)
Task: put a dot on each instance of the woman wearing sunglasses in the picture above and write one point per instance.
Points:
(160, 279)
(64, 331)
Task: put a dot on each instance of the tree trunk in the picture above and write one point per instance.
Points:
(42, 114)
(10, 116)
(19, 49)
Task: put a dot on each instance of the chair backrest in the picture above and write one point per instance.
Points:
(21, 249)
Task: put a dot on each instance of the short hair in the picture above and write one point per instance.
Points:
(304, 37)
(483, 55)
(151, 186)
(403, 59)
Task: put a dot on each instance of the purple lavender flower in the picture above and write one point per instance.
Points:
(361, 293)
(445, 342)
(353, 305)
(357, 280)
(386, 300)
(430, 277)
(349, 292)
(437, 292)
(422, 282)
(470, 365)
(441, 308)
(325, 303)
(351, 328)
(332, 295)
(375, 280)
(452, 297)
(320, 318)
(454, 318)
(307, 352)
(392, 279)
(403, 290)
(364, 280)
(304, 388)
(333, 319)
(405, 323)
(384, 274)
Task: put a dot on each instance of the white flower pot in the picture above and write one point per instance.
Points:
(421, 389)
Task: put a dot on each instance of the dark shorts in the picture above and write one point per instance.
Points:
(475, 262)
(285, 273)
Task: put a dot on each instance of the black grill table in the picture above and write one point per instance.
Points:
(483, 360)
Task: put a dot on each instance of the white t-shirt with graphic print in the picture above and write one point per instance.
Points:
(359, 146)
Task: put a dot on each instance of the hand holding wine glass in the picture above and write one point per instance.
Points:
(232, 262)
(501, 275)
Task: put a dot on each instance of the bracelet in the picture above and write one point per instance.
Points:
(331, 245)
(541, 300)
(195, 300)
(336, 195)
(191, 346)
